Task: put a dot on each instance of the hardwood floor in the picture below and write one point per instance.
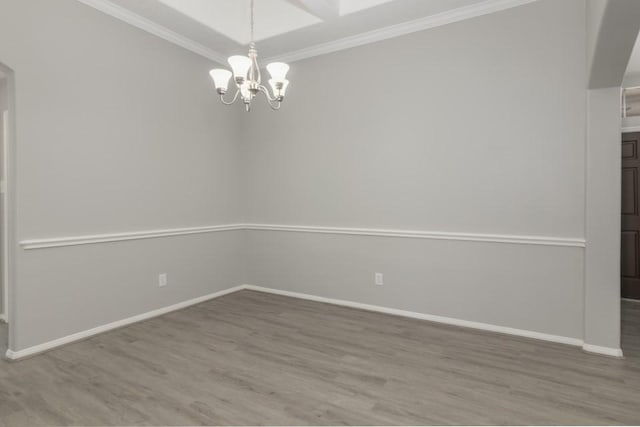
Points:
(4, 338)
(252, 358)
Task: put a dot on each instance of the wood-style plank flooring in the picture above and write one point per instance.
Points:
(4, 338)
(252, 359)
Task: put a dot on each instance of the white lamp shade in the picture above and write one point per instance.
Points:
(278, 71)
(240, 65)
(220, 78)
(278, 92)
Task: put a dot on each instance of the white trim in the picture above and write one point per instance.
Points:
(3, 318)
(433, 235)
(631, 129)
(444, 18)
(119, 237)
(30, 351)
(636, 301)
(4, 227)
(607, 351)
(420, 24)
(154, 28)
(375, 232)
(422, 316)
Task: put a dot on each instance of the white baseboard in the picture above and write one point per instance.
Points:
(430, 317)
(607, 351)
(30, 351)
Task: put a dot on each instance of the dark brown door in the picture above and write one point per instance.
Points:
(630, 239)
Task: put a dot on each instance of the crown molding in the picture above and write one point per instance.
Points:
(437, 20)
(156, 29)
(455, 15)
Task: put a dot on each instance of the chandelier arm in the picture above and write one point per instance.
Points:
(248, 86)
(264, 90)
(274, 102)
(235, 97)
(275, 106)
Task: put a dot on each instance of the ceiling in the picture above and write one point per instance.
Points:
(290, 30)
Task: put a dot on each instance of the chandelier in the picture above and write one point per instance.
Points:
(246, 75)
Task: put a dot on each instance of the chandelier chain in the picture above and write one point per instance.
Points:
(251, 21)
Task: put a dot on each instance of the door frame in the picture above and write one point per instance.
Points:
(4, 226)
(8, 223)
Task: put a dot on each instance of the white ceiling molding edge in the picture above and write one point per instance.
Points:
(444, 18)
(138, 21)
(420, 24)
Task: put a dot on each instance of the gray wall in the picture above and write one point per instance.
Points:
(473, 127)
(612, 28)
(121, 131)
(612, 32)
(4, 95)
(602, 269)
(117, 130)
(4, 106)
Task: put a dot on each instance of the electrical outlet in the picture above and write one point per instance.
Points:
(379, 279)
(162, 280)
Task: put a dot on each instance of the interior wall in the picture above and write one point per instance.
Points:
(4, 94)
(612, 33)
(602, 296)
(117, 131)
(473, 127)
(112, 140)
(629, 123)
(4, 106)
(629, 81)
(612, 28)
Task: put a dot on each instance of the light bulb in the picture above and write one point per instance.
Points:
(220, 78)
(278, 71)
(278, 87)
(240, 66)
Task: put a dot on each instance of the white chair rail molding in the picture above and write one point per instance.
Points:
(30, 244)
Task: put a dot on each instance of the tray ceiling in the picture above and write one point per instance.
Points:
(290, 29)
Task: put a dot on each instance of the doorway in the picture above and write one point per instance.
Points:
(630, 217)
(630, 242)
